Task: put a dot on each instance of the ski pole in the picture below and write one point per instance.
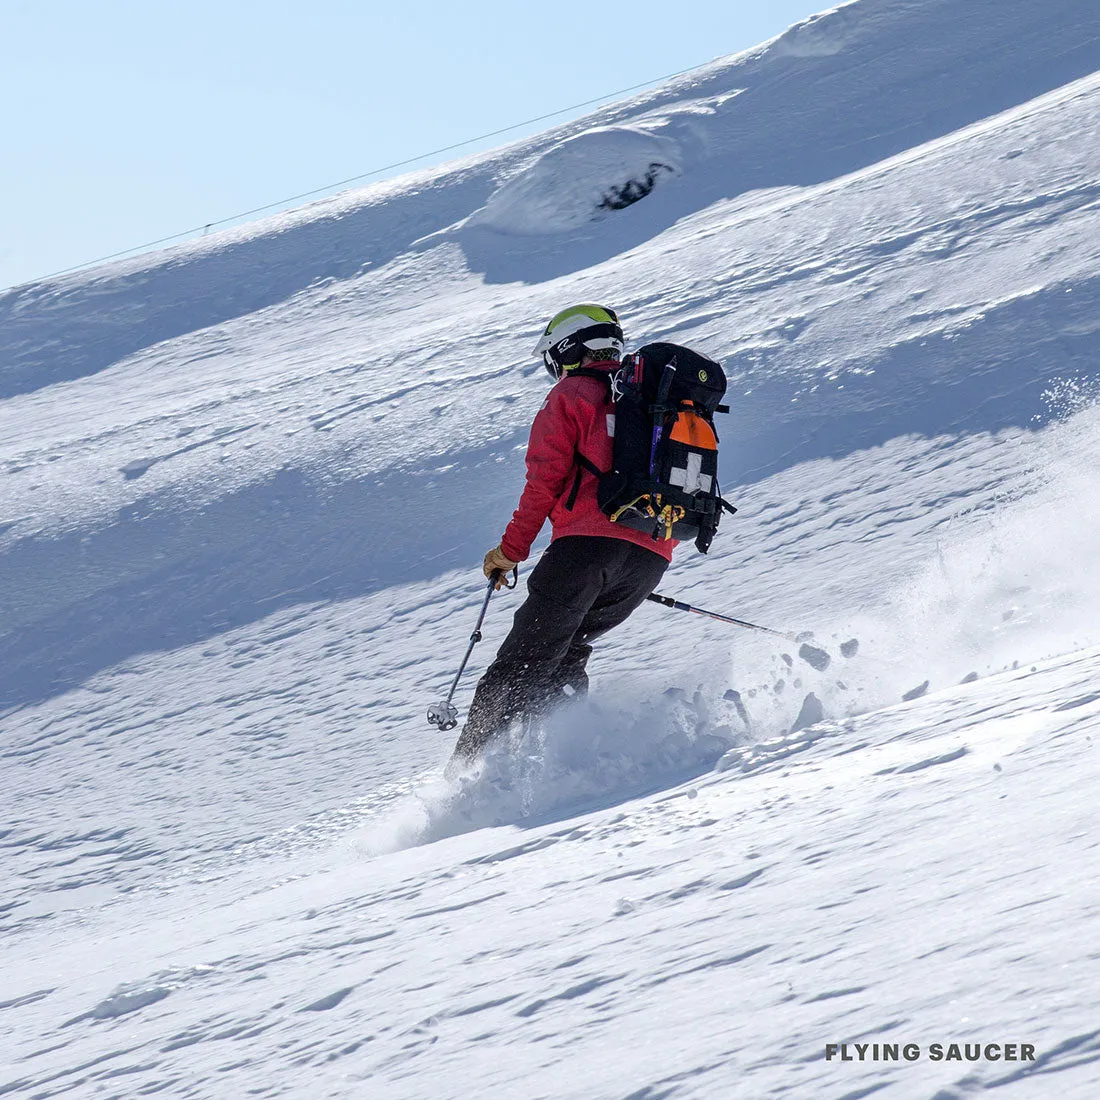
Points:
(444, 715)
(679, 605)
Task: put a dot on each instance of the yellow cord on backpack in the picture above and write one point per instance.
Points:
(646, 504)
(646, 509)
(671, 514)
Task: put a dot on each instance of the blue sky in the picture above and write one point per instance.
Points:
(127, 121)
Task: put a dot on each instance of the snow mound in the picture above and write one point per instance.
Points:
(604, 169)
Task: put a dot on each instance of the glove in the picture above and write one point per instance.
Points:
(496, 562)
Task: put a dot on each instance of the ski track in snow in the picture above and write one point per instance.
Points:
(230, 863)
(755, 891)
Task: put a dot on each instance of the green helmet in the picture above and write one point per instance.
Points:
(578, 330)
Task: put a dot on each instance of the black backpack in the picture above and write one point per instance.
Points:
(664, 479)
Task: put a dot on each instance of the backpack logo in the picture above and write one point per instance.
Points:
(702, 376)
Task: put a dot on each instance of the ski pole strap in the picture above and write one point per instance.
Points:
(503, 580)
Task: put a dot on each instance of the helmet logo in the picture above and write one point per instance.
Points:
(702, 376)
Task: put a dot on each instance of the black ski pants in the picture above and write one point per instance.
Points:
(582, 587)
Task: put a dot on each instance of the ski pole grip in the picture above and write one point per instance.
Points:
(501, 577)
(668, 601)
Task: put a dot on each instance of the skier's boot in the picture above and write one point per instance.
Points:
(468, 749)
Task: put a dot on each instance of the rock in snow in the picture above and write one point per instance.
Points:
(814, 657)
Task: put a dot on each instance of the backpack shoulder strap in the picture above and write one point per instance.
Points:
(589, 465)
(587, 372)
(583, 463)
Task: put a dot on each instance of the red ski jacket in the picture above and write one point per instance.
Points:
(576, 418)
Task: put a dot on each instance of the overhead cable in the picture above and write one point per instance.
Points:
(362, 176)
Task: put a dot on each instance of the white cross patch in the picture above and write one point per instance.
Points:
(692, 479)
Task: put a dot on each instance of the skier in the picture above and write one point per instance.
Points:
(595, 572)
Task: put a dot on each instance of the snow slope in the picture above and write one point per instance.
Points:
(245, 487)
